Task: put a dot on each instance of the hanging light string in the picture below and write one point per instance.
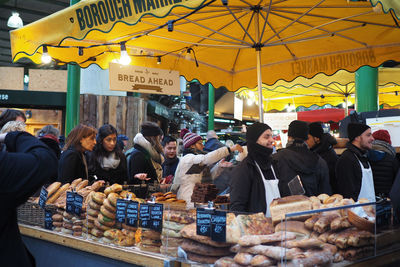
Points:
(169, 24)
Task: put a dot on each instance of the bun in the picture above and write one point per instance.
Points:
(98, 197)
(57, 194)
(105, 220)
(112, 197)
(108, 206)
(94, 205)
(107, 213)
(100, 226)
(333, 199)
(75, 182)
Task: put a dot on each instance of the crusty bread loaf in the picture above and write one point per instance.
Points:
(293, 226)
(51, 189)
(57, 194)
(281, 206)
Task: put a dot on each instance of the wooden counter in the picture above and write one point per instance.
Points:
(130, 255)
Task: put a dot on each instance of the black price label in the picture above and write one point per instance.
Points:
(70, 202)
(144, 215)
(203, 221)
(48, 220)
(218, 226)
(78, 200)
(132, 213)
(43, 197)
(156, 217)
(120, 214)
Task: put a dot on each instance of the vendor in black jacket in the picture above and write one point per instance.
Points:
(353, 171)
(23, 169)
(298, 159)
(73, 164)
(254, 183)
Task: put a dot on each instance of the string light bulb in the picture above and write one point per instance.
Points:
(46, 58)
(159, 60)
(124, 59)
(249, 101)
(15, 21)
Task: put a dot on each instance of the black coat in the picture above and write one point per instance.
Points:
(212, 144)
(23, 170)
(247, 193)
(326, 151)
(140, 162)
(118, 175)
(349, 173)
(169, 166)
(297, 159)
(71, 166)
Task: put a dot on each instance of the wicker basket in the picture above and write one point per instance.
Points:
(32, 214)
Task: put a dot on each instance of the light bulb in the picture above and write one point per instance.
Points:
(158, 60)
(125, 59)
(46, 58)
(249, 102)
(15, 21)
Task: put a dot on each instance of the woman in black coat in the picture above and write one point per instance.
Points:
(107, 161)
(23, 169)
(73, 164)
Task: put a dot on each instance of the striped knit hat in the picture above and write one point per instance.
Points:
(190, 138)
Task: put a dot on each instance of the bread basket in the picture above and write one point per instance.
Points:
(360, 222)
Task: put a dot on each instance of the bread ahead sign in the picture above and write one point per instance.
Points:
(143, 80)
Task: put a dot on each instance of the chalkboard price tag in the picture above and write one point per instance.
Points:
(70, 202)
(203, 221)
(144, 215)
(43, 197)
(132, 213)
(156, 217)
(48, 220)
(120, 214)
(218, 226)
(78, 200)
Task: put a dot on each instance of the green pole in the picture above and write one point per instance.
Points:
(366, 89)
(211, 105)
(73, 92)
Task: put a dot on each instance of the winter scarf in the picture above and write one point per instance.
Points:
(110, 162)
(156, 158)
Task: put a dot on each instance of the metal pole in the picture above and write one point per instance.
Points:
(259, 76)
(211, 105)
(73, 92)
(346, 111)
(366, 89)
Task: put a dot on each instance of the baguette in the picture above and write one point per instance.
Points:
(243, 258)
(261, 260)
(81, 185)
(97, 185)
(75, 182)
(51, 189)
(252, 240)
(55, 196)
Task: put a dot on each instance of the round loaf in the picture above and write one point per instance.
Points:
(100, 226)
(57, 218)
(98, 197)
(93, 212)
(94, 205)
(112, 197)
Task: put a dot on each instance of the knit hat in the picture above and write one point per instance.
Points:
(255, 130)
(211, 134)
(190, 139)
(183, 132)
(382, 135)
(298, 129)
(315, 129)
(151, 129)
(355, 129)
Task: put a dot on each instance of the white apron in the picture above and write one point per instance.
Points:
(367, 183)
(271, 189)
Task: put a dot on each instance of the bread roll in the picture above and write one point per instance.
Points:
(81, 185)
(57, 194)
(57, 224)
(105, 220)
(98, 197)
(97, 185)
(93, 212)
(57, 218)
(101, 226)
(94, 205)
(75, 183)
(112, 197)
(51, 189)
(107, 213)
(333, 199)
(322, 197)
(108, 206)
(293, 226)
(282, 206)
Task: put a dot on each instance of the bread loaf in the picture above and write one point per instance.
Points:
(202, 249)
(290, 204)
(293, 226)
(51, 189)
(57, 194)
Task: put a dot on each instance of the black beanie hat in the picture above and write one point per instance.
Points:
(255, 130)
(315, 129)
(151, 129)
(355, 129)
(298, 129)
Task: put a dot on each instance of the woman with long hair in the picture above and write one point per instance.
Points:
(107, 161)
(72, 164)
(146, 158)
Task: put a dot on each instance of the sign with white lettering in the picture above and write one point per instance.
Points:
(144, 80)
(279, 121)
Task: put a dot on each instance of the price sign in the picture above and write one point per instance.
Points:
(48, 220)
(43, 197)
(144, 215)
(218, 226)
(156, 217)
(120, 214)
(203, 221)
(78, 200)
(70, 202)
(132, 213)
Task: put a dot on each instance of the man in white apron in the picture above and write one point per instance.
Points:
(254, 183)
(353, 171)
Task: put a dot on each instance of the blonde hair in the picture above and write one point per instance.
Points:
(13, 126)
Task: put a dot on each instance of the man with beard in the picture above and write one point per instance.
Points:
(171, 160)
(254, 183)
(322, 144)
(298, 159)
(353, 171)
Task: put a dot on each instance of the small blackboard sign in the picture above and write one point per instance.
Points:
(48, 220)
(144, 215)
(70, 202)
(78, 200)
(156, 217)
(218, 226)
(43, 197)
(120, 214)
(203, 221)
(132, 213)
